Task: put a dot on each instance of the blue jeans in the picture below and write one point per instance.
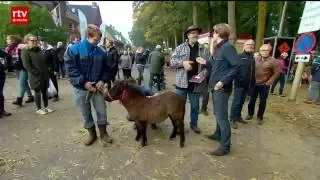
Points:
(314, 91)
(22, 76)
(205, 101)
(62, 71)
(220, 100)
(239, 97)
(194, 102)
(140, 69)
(97, 100)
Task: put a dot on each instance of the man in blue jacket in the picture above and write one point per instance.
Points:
(224, 65)
(88, 72)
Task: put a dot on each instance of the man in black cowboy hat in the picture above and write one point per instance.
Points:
(183, 59)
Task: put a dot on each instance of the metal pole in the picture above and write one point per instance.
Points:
(282, 18)
(274, 46)
(296, 81)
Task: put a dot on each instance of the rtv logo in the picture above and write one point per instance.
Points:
(19, 15)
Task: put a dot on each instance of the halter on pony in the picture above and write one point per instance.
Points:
(120, 97)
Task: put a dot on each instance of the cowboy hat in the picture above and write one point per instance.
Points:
(192, 28)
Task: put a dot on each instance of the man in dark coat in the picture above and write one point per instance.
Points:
(53, 66)
(112, 61)
(141, 60)
(61, 66)
(243, 82)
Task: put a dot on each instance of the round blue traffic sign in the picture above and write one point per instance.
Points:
(305, 43)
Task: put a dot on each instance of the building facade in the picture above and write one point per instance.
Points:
(63, 15)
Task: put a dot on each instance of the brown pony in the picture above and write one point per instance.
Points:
(149, 110)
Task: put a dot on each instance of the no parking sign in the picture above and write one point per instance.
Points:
(305, 43)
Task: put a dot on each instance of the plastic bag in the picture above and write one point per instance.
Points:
(52, 91)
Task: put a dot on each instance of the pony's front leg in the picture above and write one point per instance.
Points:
(144, 133)
(138, 128)
(175, 128)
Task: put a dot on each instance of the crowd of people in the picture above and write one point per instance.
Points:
(92, 69)
(248, 74)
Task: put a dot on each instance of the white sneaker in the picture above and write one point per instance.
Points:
(41, 112)
(47, 110)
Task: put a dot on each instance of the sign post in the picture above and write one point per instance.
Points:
(310, 21)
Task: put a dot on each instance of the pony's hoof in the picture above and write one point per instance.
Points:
(172, 137)
(181, 145)
(137, 138)
(143, 144)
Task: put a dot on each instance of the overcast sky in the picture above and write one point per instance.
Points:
(116, 13)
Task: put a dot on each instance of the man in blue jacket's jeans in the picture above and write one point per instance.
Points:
(88, 72)
(224, 65)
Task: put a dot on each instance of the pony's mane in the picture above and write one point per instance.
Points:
(134, 90)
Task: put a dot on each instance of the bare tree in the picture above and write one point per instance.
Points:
(232, 20)
(262, 15)
(194, 13)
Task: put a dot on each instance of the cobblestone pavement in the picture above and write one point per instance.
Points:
(36, 147)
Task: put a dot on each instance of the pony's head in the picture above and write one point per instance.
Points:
(121, 90)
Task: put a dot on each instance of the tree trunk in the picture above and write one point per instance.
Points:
(283, 15)
(175, 40)
(210, 23)
(194, 13)
(167, 42)
(232, 20)
(280, 6)
(262, 14)
(183, 38)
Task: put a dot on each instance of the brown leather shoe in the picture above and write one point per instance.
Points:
(218, 152)
(104, 136)
(92, 136)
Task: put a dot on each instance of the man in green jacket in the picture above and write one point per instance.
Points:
(156, 61)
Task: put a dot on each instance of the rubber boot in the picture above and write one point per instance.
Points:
(92, 136)
(18, 101)
(30, 99)
(104, 136)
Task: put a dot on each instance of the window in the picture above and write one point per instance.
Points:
(71, 26)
